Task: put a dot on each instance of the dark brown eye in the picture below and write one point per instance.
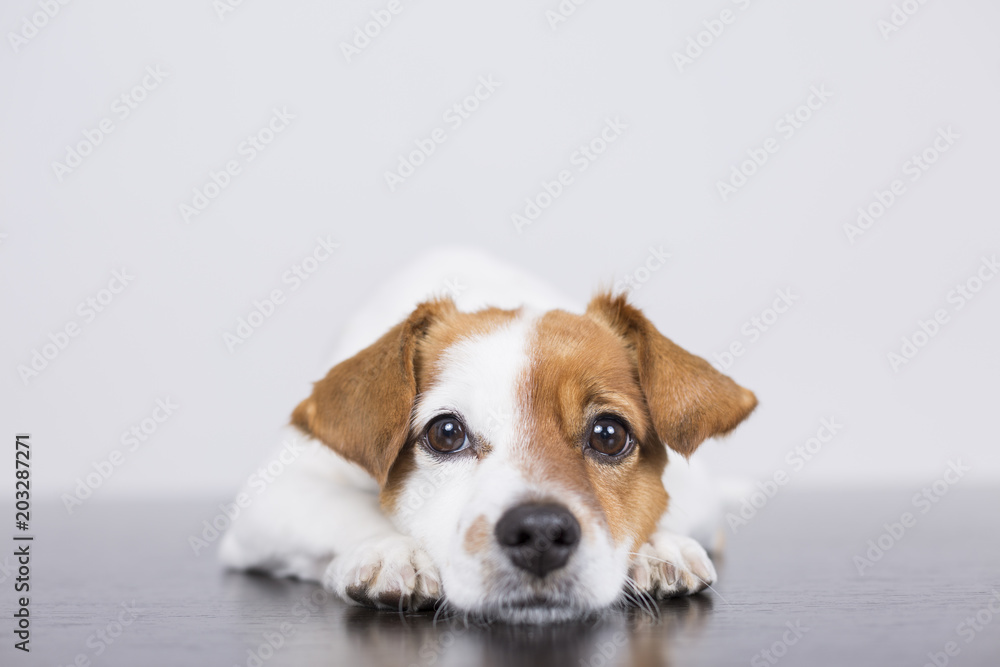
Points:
(446, 434)
(609, 437)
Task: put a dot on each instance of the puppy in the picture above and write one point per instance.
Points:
(498, 450)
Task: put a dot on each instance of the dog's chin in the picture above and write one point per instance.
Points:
(535, 611)
(530, 605)
(512, 596)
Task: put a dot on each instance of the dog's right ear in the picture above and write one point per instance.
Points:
(688, 399)
(361, 409)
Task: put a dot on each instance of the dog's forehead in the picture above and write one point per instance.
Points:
(476, 370)
(579, 364)
(499, 367)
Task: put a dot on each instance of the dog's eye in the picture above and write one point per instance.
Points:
(609, 437)
(446, 434)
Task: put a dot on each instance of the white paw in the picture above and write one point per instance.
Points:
(670, 565)
(388, 573)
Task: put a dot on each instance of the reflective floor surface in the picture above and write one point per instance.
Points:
(800, 584)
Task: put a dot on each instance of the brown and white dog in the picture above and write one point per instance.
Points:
(510, 460)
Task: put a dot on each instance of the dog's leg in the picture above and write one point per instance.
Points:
(319, 519)
(301, 507)
(674, 561)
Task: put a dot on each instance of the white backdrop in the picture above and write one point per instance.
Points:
(807, 111)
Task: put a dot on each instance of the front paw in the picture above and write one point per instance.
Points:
(388, 573)
(670, 565)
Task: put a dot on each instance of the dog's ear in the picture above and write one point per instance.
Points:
(361, 409)
(688, 399)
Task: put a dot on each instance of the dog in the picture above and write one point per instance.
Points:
(482, 442)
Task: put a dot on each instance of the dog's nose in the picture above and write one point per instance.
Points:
(538, 538)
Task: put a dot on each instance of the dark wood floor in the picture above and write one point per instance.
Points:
(792, 566)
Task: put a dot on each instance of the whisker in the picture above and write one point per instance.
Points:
(642, 599)
(440, 607)
(708, 585)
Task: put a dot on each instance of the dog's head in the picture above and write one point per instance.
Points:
(524, 450)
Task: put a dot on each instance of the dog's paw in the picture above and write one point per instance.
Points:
(388, 573)
(671, 565)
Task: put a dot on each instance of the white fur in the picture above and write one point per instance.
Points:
(321, 520)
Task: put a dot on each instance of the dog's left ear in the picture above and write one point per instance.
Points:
(688, 399)
(361, 409)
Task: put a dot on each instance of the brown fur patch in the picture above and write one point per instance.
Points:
(479, 536)
(579, 369)
(613, 360)
(361, 409)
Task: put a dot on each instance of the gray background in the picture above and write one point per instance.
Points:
(655, 186)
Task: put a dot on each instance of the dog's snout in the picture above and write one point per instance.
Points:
(538, 538)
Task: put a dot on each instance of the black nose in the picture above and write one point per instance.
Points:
(538, 538)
